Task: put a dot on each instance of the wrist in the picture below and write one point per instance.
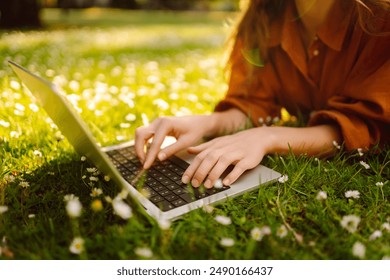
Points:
(268, 138)
(226, 122)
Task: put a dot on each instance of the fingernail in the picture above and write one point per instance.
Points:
(195, 183)
(185, 179)
(162, 156)
(226, 182)
(207, 184)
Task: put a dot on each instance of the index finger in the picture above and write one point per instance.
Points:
(142, 136)
(158, 139)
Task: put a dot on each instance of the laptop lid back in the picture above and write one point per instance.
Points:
(68, 121)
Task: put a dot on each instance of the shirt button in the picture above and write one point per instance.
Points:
(316, 52)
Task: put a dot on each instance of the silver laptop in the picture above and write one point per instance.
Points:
(159, 190)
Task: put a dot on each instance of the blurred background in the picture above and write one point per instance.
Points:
(27, 13)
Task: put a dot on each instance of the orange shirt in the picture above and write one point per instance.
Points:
(343, 77)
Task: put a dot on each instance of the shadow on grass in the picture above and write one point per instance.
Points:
(36, 225)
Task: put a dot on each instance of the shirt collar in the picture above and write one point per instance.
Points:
(336, 25)
(332, 32)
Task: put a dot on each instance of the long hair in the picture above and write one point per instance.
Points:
(252, 28)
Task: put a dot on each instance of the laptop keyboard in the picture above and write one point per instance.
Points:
(162, 182)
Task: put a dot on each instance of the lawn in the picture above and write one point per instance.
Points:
(120, 70)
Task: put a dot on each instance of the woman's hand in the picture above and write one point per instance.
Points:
(247, 148)
(244, 150)
(187, 130)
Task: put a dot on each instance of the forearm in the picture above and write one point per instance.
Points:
(313, 141)
(226, 122)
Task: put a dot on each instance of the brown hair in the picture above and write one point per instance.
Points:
(253, 26)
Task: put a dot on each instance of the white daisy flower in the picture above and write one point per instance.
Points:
(375, 235)
(143, 252)
(336, 145)
(3, 209)
(15, 85)
(24, 184)
(282, 231)
(350, 223)
(386, 227)
(359, 250)
(92, 169)
(58, 136)
(130, 117)
(4, 123)
(321, 195)
(218, 184)
(164, 224)
(365, 165)
(93, 178)
(77, 246)
(96, 192)
(258, 233)
(37, 153)
(360, 152)
(266, 230)
(9, 178)
(283, 179)
(122, 209)
(352, 194)
(83, 158)
(223, 220)
(226, 242)
(379, 184)
(208, 209)
(74, 207)
(33, 107)
(14, 134)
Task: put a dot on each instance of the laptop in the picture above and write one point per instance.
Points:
(159, 190)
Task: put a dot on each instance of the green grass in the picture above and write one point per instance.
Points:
(122, 69)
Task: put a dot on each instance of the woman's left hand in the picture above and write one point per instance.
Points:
(244, 150)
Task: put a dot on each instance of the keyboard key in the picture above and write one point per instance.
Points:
(166, 192)
(172, 186)
(179, 191)
(187, 197)
(165, 206)
(157, 198)
(179, 202)
(171, 197)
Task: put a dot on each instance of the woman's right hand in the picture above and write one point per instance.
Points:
(187, 130)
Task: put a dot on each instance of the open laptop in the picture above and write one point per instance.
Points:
(159, 190)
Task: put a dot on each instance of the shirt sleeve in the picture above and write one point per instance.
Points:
(362, 109)
(246, 90)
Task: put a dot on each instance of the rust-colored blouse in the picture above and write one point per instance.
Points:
(343, 77)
